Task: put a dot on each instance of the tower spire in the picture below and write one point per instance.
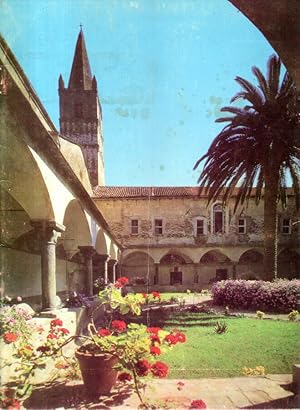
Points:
(81, 76)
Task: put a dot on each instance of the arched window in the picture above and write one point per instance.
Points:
(218, 219)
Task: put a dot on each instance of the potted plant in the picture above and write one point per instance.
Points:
(127, 352)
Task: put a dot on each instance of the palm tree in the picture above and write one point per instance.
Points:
(258, 147)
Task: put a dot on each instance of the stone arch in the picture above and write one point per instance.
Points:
(288, 264)
(102, 245)
(139, 267)
(175, 257)
(214, 257)
(214, 265)
(250, 265)
(176, 269)
(251, 256)
(77, 232)
(113, 251)
(24, 181)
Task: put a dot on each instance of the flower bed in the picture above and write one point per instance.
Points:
(280, 296)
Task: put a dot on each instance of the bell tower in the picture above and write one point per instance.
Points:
(81, 114)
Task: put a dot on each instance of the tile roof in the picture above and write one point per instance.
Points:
(141, 192)
(148, 192)
(102, 192)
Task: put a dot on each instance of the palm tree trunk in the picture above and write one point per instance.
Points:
(270, 226)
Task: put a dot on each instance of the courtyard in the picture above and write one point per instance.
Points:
(246, 364)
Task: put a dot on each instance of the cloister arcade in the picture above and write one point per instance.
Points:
(187, 268)
(51, 231)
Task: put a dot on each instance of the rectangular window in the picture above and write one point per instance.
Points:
(200, 227)
(158, 226)
(134, 227)
(242, 225)
(286, 226)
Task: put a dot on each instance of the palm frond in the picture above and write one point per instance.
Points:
(263, 84)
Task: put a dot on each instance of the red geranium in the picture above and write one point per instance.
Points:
(142, 367)
(198, 404)
(10, 337)
(52, 336)
(156, 295)
(56, 322)
(155, 350)
(118, 325)
(153, 330)
(124, 377)
(154, 338)
(104, 332)
(181, 338)
(64, 331)
(159, 369)
(171, 339)
(121, 282)
(14, 405)
(144, 295)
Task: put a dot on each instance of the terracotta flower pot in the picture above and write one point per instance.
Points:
(97, 372)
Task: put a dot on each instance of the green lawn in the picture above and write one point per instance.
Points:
(247, 342)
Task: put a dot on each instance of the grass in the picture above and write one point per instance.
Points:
(247, 343)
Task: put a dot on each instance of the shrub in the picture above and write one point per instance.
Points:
(293, 315)
(257, 371)
(260, 314)
(279, 296)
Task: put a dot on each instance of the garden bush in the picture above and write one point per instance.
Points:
(280, 296)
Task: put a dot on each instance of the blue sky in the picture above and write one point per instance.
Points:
(164, 68)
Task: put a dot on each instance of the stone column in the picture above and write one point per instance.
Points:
(87, 253)
(234, 270)
(48, 233)
(113, 263)
(156, 274)
(104, 259)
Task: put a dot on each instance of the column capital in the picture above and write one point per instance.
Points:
(112, 262)
(47, 224)
(48, 231)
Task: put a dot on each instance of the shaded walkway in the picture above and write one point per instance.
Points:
(231, 393)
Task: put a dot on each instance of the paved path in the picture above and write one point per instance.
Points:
(230, 393)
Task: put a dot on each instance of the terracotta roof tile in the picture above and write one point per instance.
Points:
(146, 192)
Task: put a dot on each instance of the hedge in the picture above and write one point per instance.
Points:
(280, 296)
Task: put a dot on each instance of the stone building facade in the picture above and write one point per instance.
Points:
(173, 240)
